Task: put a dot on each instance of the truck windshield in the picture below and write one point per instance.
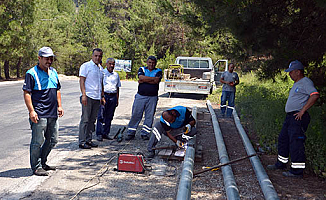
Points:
(194, 63)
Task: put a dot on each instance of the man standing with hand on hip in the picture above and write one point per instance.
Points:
(91, 87)
(43, 100)
(291, 139)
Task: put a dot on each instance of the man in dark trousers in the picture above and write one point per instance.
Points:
(291, 139)
(43, 100)
(145, 99)
(176, 123)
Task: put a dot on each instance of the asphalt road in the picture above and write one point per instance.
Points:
(16, 133)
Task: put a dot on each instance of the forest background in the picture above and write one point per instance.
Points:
(260, 36)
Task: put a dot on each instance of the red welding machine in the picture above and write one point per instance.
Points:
(131, 163)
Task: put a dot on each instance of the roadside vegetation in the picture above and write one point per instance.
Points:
(260, 105)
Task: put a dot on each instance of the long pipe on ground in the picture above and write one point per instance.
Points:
(232, 191)
(265, 184)
(184, 189)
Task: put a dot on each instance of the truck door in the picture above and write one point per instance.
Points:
(219, 67)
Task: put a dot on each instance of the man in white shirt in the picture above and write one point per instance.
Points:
(91, 87)
(111, 83)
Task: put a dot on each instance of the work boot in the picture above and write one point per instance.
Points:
(289, 174)
(92, 144)
(47, 167)
(85, 146)
(274, 167)
(129, 137)
(144, 137)
(100, 138)
(107, 137)
(40, 172)
(150, 154)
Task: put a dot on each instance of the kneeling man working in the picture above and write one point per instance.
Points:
(177, 123)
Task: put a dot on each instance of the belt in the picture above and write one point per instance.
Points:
(110, 93)
(292, 113)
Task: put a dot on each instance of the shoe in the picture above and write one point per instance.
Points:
(145, 137)
(129, 137)
(84, 146)
(47, 167)
(92, 144)
(100, 138)
(40, 172)
(150, 154)
(289, 174)
(107, 137)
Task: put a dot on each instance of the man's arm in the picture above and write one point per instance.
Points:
(28, 101)
(171, 137)
(147, 79)
(117, 96)
(82, 80)
(311, 101)
(60, 109)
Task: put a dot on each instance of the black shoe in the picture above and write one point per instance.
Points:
(289, 174)
(274, 167)
(92, 144)
(107, 137)
(129, 137)
(47, 167)
(145, 137)
(150, 154)
(40, 172)
(99, 138)
(85, 146)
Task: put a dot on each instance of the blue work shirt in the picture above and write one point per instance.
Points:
(147, 89)
(43, 88)
(183, 117)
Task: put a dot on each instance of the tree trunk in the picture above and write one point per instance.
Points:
(6, 69)
(18, 67)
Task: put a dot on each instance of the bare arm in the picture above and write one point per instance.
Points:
(171, 137)
(28, 101)
(311, 101)
(147, 79)
(83, 89)
(60, 109)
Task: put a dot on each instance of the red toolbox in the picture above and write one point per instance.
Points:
(131, 163)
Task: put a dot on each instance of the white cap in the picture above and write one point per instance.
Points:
(45, 52)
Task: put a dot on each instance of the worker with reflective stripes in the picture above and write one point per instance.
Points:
(177, 123)
(291, 139)
(145, 99)
(43, 100)
(229, 79)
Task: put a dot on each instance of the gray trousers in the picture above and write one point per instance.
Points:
(158, 130)
(142, 104)
(87, 121)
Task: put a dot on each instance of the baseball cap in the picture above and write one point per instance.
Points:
(45, 52)
(294, 65)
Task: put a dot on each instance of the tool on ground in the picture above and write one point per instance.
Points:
(131, 163)
(173, 147)
(221, 165)
(118, 135)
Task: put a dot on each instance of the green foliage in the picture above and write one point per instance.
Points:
(122, 75)
(260, 105)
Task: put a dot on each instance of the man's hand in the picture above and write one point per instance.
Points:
(84, 100)
(179, 144)
(103, 102)
(33, 116)
(60, 111)
(187, 129)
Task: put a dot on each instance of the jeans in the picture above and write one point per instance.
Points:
(87, 121)
(142, 104)
(46, 128)
(227, 96)
(105, 115)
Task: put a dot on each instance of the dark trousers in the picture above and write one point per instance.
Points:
(291, 142)
(105, 114)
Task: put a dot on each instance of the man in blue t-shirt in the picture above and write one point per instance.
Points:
(43, 100)
(292, 137)
(145, 99)
(177, 124)
(229, 79)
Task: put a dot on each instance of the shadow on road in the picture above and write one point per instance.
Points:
(17, 173)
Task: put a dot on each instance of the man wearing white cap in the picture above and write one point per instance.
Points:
(43, 100)
(291, 139)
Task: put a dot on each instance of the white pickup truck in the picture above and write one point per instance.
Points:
(193, 75)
